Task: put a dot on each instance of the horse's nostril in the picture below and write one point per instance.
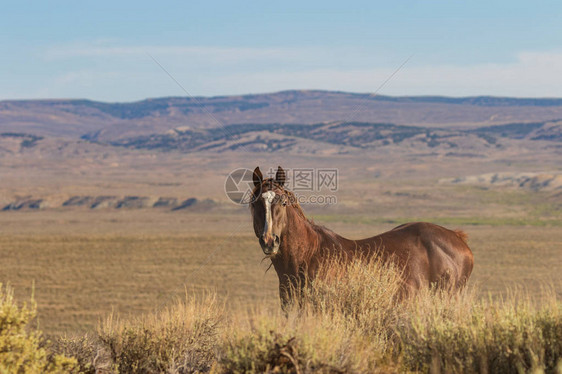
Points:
(269, 244)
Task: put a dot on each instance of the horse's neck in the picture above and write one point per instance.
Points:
(304, 243)
(299, 243)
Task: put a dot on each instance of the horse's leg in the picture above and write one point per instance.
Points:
(291, 290)
(284, 296)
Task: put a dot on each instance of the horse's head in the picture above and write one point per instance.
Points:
(269, 210)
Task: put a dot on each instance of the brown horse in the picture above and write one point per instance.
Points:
(428, 254)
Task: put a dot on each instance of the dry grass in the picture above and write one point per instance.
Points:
(354, 324)
(179, 339)
(444, 333)
(81, 279)
(136, 266)
(349, 321)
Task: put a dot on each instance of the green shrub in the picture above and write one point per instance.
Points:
(20, 349)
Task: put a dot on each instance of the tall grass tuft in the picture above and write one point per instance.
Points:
(297, 344)
(343, 323)
(361, 294)
(180, 339)
(353, 318)
(457, 333)
(91, 355)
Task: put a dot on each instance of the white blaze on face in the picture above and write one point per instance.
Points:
(268, 199)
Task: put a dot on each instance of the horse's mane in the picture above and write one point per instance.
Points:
(290, 194)
(295, 204)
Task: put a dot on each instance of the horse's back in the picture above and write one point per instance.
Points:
(430, 253)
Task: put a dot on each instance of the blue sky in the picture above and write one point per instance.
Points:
(100, 50)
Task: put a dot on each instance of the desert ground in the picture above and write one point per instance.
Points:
(83, 264)
(115, 225)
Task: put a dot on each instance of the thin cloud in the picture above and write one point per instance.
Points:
(211, 53)
(532, 74)
(126, 73)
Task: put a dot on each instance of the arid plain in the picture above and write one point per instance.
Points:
(95, 227)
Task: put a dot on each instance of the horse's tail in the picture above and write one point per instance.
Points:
(462, 236)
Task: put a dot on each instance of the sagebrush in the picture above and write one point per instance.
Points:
(352, 318)
(22, 347)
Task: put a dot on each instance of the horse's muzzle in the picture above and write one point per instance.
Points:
(271, 247)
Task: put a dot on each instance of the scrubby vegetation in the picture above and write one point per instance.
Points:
(352, 322)
(351, 319)
(21, 348)
(180, 339)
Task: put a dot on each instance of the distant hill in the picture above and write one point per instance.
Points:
(346, 136)
(117, 122)
(174, 153)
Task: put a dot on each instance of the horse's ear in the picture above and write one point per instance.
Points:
(258, 177)
(280, 176)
